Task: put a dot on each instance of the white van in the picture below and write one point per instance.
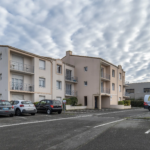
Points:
(147, 102)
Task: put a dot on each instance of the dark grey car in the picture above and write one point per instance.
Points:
(6, 108)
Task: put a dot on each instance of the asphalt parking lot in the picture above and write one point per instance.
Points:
(82, 130)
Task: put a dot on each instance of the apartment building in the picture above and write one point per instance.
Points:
(27, 76)
(138, 90)
(100, 83)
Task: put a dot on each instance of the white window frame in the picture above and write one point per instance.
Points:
(40, 65)
(59, 85)
(120, 76)
(113, 86)
(113, 73)
(86, 68)
(85, 83)
(119, 88)
(40, 80)
(59, 71)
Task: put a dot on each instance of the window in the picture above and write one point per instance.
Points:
(119, 88)
(119, 98)
(129, 91)
(113, 73)
(0, 76)
(41, 82)
(102, 72)
(59, 69)
(41, 97)
(85, 100)
(85, 83)
(113, 86)
(146, 90)
(0, 56)
(85, 68)
(42, 64)
(58, 98)
(120, 76)
(59, 85)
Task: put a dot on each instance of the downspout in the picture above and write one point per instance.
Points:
(100, 86)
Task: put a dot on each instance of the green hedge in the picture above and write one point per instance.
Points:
(71, 101)
(120, 102)
(137, 103)
(125, 102)
(35, 103)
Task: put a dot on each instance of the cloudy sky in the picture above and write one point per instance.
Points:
(116, 30)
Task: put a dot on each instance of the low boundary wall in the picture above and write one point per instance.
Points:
(120, 107)
(69, 107)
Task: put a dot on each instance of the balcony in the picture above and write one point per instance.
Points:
(126, 95)
(71, 79)
(105, 91)
(105, 77)
(19, 67)
(125, 84)
(21, 87)
(71, 93)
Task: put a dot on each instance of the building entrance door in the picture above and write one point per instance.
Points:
(96, 102)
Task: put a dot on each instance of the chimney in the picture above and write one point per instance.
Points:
(68, 53)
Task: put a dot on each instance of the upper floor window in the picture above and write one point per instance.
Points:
(113, 73)
(146, 90)
(120, 76)
(59, 69)
(0, 56)
(119, 98)
(129, 91)
(85, 83)
(59, 85)
(42, 64)
(119, 88)
(0, 76)
(113, 86)
(85, 68)
(41, 82)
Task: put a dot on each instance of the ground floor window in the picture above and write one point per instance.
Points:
(17, 97)
(146, 90)
(41, 97)
(58, 98)
(129, 91)
(85, 100)
(119, 98)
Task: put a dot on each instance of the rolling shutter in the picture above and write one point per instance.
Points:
(17, 97)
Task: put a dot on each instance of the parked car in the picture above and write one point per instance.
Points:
(23, 107)
(49, 106)
(6, 108)
(147, 102)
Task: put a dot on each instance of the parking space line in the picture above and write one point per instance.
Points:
(147, 132)
(109, 123)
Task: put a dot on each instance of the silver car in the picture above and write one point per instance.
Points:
(6, 108)
(23, 107)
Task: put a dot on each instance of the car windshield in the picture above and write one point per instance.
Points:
(26, 102)
(56, 102)
(4, 103)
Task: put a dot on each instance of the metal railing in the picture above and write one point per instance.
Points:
(126, 94)
(73, 79)
(21, 87)
(71, 93)
(105, 76)
(105, 90)
(21, 67)
(125, 83)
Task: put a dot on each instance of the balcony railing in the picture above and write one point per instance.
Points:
(105, 90)
(71, 93)
(125, 83)
(72, 79)
(21, 67)
(126, 94)
(21, 87)
(105, 76)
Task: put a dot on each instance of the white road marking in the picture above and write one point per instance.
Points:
(147, 132)
(108, 123)
(17, 124)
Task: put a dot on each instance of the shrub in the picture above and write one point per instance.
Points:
(120, 102)
(127, 102)
(71, 101)
(35, 103)
(137, 103)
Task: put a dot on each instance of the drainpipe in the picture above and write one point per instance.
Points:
(100, 87)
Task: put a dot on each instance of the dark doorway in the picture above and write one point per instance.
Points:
(96, 102)
(85, 100)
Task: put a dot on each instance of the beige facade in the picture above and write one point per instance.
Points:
(24, 75)
(98, 92)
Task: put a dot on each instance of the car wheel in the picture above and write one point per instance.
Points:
(48, 111)
(18, 112)
(11, 115)
(33, 114)
(59, 112)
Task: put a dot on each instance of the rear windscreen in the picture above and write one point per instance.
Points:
(56, 102)
(4, 103)
(26, 102)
